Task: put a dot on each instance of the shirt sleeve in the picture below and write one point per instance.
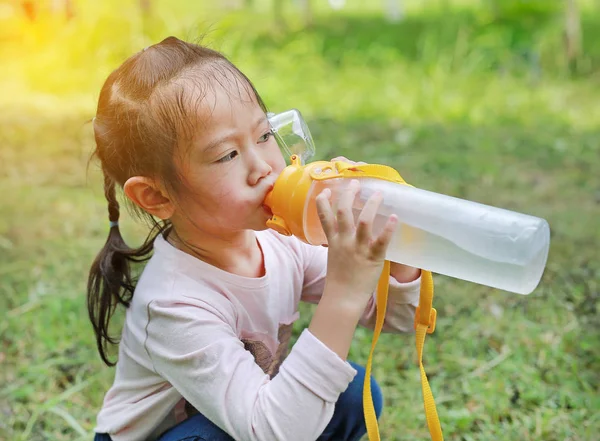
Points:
(198, 352)
(403, 298)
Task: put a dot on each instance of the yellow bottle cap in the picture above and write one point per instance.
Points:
(287, 200)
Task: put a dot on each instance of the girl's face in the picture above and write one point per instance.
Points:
(231, 164)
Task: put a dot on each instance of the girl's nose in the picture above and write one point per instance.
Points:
(260, 169)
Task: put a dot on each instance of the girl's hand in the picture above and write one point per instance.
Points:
(354, 265)
(356, 256)
(402, 273)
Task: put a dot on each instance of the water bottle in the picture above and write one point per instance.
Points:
(443, 234)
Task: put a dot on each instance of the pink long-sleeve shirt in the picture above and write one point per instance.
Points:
(197, 338)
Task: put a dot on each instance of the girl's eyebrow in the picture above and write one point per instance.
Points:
(232, 135)
(259, 121)
(217, 142)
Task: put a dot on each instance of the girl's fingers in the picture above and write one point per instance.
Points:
(366, 218)
(325, 212)
(380, 244)
(340, 158)
(344, 159)
(345, 219)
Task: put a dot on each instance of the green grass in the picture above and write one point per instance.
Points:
(452, 100)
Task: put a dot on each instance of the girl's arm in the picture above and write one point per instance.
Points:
(403, 296)
(195, 348)
(404, 287)
(354, 264)
(404, 273)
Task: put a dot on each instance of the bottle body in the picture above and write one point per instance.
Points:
(446, 235)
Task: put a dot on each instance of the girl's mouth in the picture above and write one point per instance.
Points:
(267, 209)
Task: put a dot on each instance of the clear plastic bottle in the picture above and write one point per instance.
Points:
(447, 235)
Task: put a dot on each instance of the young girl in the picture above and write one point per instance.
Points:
(202, 355)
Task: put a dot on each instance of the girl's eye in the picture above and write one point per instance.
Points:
(229, 157)
(264, 138)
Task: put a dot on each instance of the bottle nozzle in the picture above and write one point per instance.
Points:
(268, 202)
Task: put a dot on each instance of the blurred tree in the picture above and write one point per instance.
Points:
(337, 4)
(29, 9)
(305, 6)
(394, 10)
(145, 6)
(572, 33)
(278, 13)
(307, 11)
(32, 8)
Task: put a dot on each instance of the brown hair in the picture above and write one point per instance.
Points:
(137, 129)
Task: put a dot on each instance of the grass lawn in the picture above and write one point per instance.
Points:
(463, 101)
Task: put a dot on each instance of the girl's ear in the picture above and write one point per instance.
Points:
(149, 196)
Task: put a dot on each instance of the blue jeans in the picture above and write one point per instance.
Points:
(347, 423)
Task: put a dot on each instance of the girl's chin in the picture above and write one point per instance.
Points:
(259, 221)
(266, 215)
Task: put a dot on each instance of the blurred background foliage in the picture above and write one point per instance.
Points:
(490, 100)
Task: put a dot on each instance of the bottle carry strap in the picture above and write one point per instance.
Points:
(342, 169)
(425, 318)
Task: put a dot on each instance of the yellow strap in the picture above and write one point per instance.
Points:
(425, 315)
(349, 170)
(424, 323)
(368, 408)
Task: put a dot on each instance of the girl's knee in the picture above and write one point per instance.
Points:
(348, 421)
(196, 428)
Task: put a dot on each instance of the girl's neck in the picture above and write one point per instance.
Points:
(238, 253)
